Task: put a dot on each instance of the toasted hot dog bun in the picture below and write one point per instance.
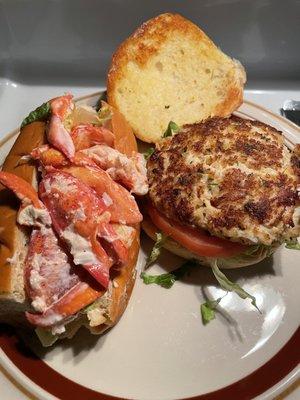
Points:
(14, 240)
(114, 303)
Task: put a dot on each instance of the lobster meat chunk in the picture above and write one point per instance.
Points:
(48, 271)
(51, 158)
(32, 211)
(79, 216)
(58, 135)
(120, 203)
(130, 171)
(74, 300)
(88, 135)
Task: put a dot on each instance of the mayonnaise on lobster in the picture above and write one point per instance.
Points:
(83, 216)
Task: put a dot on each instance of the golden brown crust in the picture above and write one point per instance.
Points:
(123, 283)
(233, 100)
(30, 137)
(154, 78)
(156, 30)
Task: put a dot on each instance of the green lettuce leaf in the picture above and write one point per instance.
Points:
(229, 286)
(167, 280)
(148, 153)
(207, 310)
(172, 128)
(252, 255)
(163, 280)
(41, 113)
(292, 244)
(160, 240)
(46, 337)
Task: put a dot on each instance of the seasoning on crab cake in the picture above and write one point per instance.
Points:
(233, 178)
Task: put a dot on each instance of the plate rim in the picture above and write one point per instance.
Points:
(283, 380)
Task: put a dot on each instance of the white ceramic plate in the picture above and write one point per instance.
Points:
(160, 349)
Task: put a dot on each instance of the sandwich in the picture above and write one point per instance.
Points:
(69, 223)
(223, 191)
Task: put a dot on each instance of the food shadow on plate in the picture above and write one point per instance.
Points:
(75, 349)
(233, 328)
(201, 278)
(27, 343)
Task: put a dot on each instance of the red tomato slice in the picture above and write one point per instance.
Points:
(196, 240)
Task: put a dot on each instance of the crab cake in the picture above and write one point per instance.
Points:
(233, 177)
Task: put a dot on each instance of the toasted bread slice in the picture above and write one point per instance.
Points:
(170, 70)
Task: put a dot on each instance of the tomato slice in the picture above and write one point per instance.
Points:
(196, 240)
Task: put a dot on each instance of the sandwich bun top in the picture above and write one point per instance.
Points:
(168, 69)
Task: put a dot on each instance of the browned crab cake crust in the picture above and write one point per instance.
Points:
(231, 176)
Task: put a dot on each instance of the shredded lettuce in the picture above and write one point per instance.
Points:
(252, 255)
(41, 113)
(46, 337)
(160, 240)
(167, 280)
(163, 280)
(229, 286)
(292, 244)
(207, 309)
(172, 128)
